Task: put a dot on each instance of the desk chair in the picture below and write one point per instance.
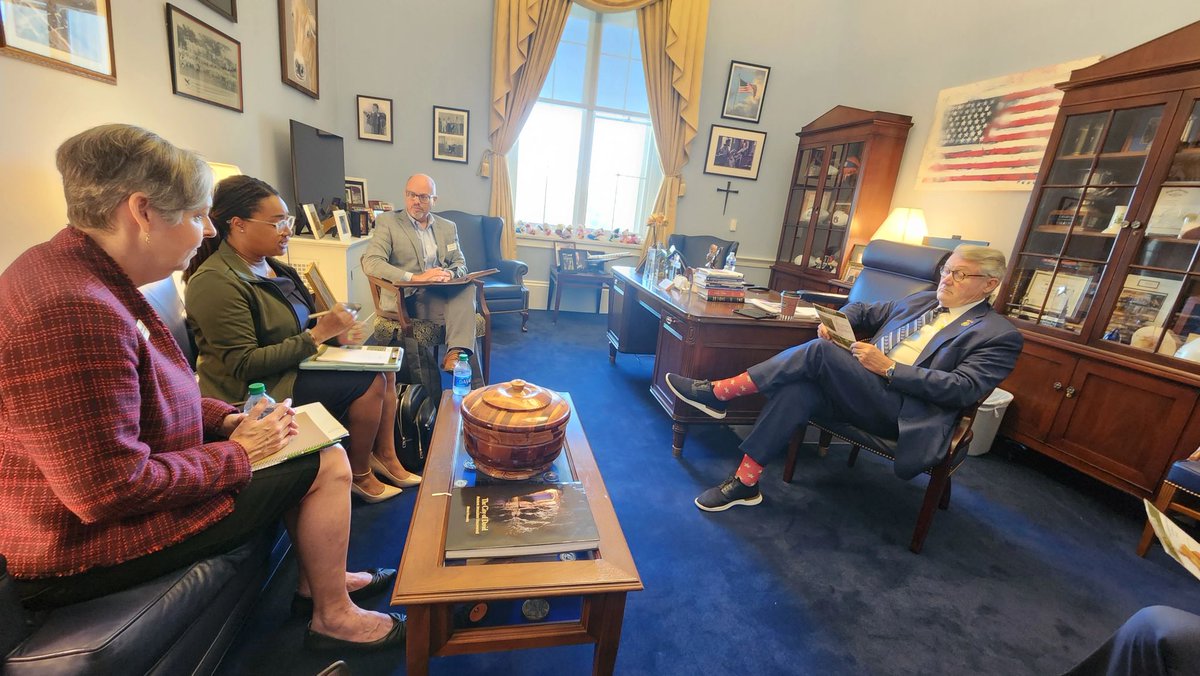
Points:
(695, 248)
(570, 268)
(425, 334)
(1184, 476)
(891, 271)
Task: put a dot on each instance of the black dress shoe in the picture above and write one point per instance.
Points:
(394, 639)
(698, 393)
(381, 578)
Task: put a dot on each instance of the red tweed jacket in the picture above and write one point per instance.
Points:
(102, 425)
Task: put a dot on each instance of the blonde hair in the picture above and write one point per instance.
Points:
(103, 166)
(991, 261)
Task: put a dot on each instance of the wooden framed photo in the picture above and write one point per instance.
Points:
(356, 193)
(374, 118)
(298, 45)
(75, 37)
(342, 219)
(314, 221)
(567, 260)
(734, 152)
(450, 127)
(226, 8)
(744, 91)
(206, 64)
(322, 296)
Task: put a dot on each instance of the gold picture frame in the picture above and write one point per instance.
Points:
(322, 296)
(43, 35)
(298, 46)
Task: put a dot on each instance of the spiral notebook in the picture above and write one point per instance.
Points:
(318, 429)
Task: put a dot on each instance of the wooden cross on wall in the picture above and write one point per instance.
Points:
(728, 190)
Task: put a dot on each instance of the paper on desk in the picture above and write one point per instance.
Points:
(775, 308)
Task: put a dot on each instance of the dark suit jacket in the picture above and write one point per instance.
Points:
(961, 365)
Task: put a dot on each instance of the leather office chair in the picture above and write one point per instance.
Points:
(695, 248)
(479, 237)
(570, 268)
(1184, 476)
(426, 335)
(891, 271)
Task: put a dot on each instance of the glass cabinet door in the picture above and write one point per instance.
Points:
(835, 207)
(1081, 208)
(1158, 308)
(801, 206)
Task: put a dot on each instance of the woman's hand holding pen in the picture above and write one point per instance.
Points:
(332, 323)
(263, 436)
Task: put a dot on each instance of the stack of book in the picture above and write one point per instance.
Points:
(721, 286)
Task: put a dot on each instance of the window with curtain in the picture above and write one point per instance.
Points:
(586, 155)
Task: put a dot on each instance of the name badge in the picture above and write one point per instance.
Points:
(143, 330)
(453, 246)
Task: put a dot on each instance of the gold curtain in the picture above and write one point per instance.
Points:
(673, 35)
(614, 5)
(524, 39)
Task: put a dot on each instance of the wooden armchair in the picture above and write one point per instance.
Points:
(392, 324)
(1181, 486)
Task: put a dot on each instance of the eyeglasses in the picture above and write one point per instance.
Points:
(423, 199)
(285, 223)
(958, 275)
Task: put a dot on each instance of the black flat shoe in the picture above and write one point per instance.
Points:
(381, 578)
(394, 639)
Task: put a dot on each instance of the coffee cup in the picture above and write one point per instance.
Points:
(789, 300)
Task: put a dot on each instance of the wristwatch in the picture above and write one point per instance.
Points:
(890, 372)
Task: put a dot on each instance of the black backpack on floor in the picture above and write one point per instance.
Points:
(415, 416)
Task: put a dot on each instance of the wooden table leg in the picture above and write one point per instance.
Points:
(679, 433)
(418, 640)
(608, 634)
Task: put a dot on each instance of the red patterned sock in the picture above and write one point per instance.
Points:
(749, 471)
(737, 386)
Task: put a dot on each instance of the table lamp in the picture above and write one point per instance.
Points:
(905, 225)
(222, 171)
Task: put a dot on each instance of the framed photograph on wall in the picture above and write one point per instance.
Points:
(206, 64)
(226, 8)
(298, 46)
(734, 152)
(356, 193)
(374, 118)
(744, 91)
(75, 37)
(450, 128)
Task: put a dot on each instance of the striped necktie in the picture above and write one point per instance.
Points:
(892, 338)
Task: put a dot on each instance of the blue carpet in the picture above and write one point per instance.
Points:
(1030, 568)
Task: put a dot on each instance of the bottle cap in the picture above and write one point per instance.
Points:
(463, 356)
(257, 388)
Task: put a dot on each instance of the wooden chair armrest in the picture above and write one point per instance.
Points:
(400, 314)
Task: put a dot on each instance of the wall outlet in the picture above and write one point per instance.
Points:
(733, 225)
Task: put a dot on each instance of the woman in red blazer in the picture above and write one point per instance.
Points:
(113, 469)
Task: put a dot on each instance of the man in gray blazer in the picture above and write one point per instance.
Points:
(414, 245)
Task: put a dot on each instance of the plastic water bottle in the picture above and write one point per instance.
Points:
(731, 261)
(258, 391)
(462, 376)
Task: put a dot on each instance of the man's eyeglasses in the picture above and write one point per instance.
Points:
(958, 275)
(423, 199)
(285, 223)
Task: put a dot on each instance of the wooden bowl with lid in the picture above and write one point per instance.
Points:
(514, 430)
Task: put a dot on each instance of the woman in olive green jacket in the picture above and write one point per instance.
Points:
(250, 314)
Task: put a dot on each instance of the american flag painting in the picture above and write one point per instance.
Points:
(991, 135)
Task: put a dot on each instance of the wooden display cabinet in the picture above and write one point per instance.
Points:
(841, 191)
(1104, 281)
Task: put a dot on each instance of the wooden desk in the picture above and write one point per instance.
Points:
(695, 339)
(430, 588)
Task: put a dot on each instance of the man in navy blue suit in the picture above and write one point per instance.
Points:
(932, 354)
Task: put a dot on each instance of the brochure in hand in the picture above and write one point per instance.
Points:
(518, 519)
(355, 358)
(838, 326)
(1181, 546)
(318, 429)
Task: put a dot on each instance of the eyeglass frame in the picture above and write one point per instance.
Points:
(958, 275)
(420, 197)
(288, 221)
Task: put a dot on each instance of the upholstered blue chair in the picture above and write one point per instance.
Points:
(479, 237)
(1182, 482)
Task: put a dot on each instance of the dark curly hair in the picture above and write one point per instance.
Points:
(235, 197)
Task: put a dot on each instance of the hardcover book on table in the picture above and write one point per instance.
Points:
(517, 519)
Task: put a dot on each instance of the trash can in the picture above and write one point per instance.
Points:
(987, 421)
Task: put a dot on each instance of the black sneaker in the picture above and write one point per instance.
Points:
(698, 393)
(732, 492)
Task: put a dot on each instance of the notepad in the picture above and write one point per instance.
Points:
(318, 429)
(355, 358)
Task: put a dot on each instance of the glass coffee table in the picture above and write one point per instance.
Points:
(439, 594)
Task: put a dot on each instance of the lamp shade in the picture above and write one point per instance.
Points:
(903, 225)
(222, 171)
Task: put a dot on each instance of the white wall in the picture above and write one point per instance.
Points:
(873, 54)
